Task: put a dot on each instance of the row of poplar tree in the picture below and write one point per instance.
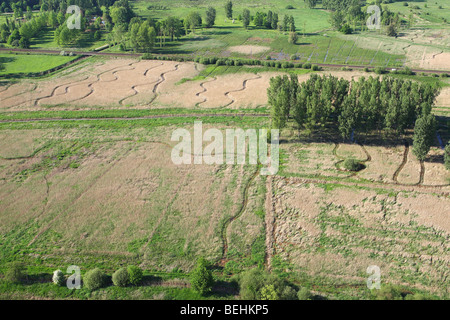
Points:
(389, 104)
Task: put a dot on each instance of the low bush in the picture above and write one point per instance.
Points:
(135, 275)
(120, 278)
(94, 279)
(15, 272)
(58, 278)
(352, 164)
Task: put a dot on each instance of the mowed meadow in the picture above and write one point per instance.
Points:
(96, 197)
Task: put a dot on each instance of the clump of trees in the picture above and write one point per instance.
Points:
(368, 104)
(256, 284)
(394, 292)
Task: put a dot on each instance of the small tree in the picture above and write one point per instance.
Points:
(447, 156)
(135, 275)
(229, 9)
(423, 136)
(94, 279)
(293, 37)
(120, 278)
(15, 272)
(210, 17)
(58, 277)
(246, 18)
(201, 278)
(391, 30)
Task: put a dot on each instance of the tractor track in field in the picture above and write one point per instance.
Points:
(203, 91)
(162, 76)
(134, 87)
(114, 73)
(229, 221)
(90, 185)
(244, 86)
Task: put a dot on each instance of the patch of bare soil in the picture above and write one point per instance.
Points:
(249, 49)
(384, 163)
(410, 173)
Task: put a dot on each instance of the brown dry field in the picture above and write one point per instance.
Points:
(121, 83)
(422, 47)
(331, 235)
(172, 214)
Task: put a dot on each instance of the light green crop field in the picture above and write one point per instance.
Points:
(30, 63)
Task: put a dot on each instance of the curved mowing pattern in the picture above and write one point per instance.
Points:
(244, 86)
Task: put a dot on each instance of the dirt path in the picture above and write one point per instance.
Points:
(228, 222)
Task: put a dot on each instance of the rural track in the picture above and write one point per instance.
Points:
(230, 220)
(160, 116)
(402, 165)
(244, 86)
(131, 55)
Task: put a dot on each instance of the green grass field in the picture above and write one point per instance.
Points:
(30, 63)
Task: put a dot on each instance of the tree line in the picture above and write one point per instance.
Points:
(387, 104)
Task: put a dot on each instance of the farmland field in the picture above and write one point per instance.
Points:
(88, 176)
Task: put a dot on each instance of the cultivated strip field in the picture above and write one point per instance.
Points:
(121, 83)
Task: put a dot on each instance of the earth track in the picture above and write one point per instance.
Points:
(230, 220)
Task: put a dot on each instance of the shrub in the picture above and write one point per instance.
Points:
(366, 69)
(379, 70)
(352, 164)
(444, 75)
(293, 37)
(315, 68)
(147, 56)
(58, 278)
(299, 65)
(346, 29)
(94, 279)
(15, 272)
(120, 278)
(290, 7)
(256, 284)
(135, 275)
(288, 293)
(307, 65)
(201, 278)
(304, 294)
